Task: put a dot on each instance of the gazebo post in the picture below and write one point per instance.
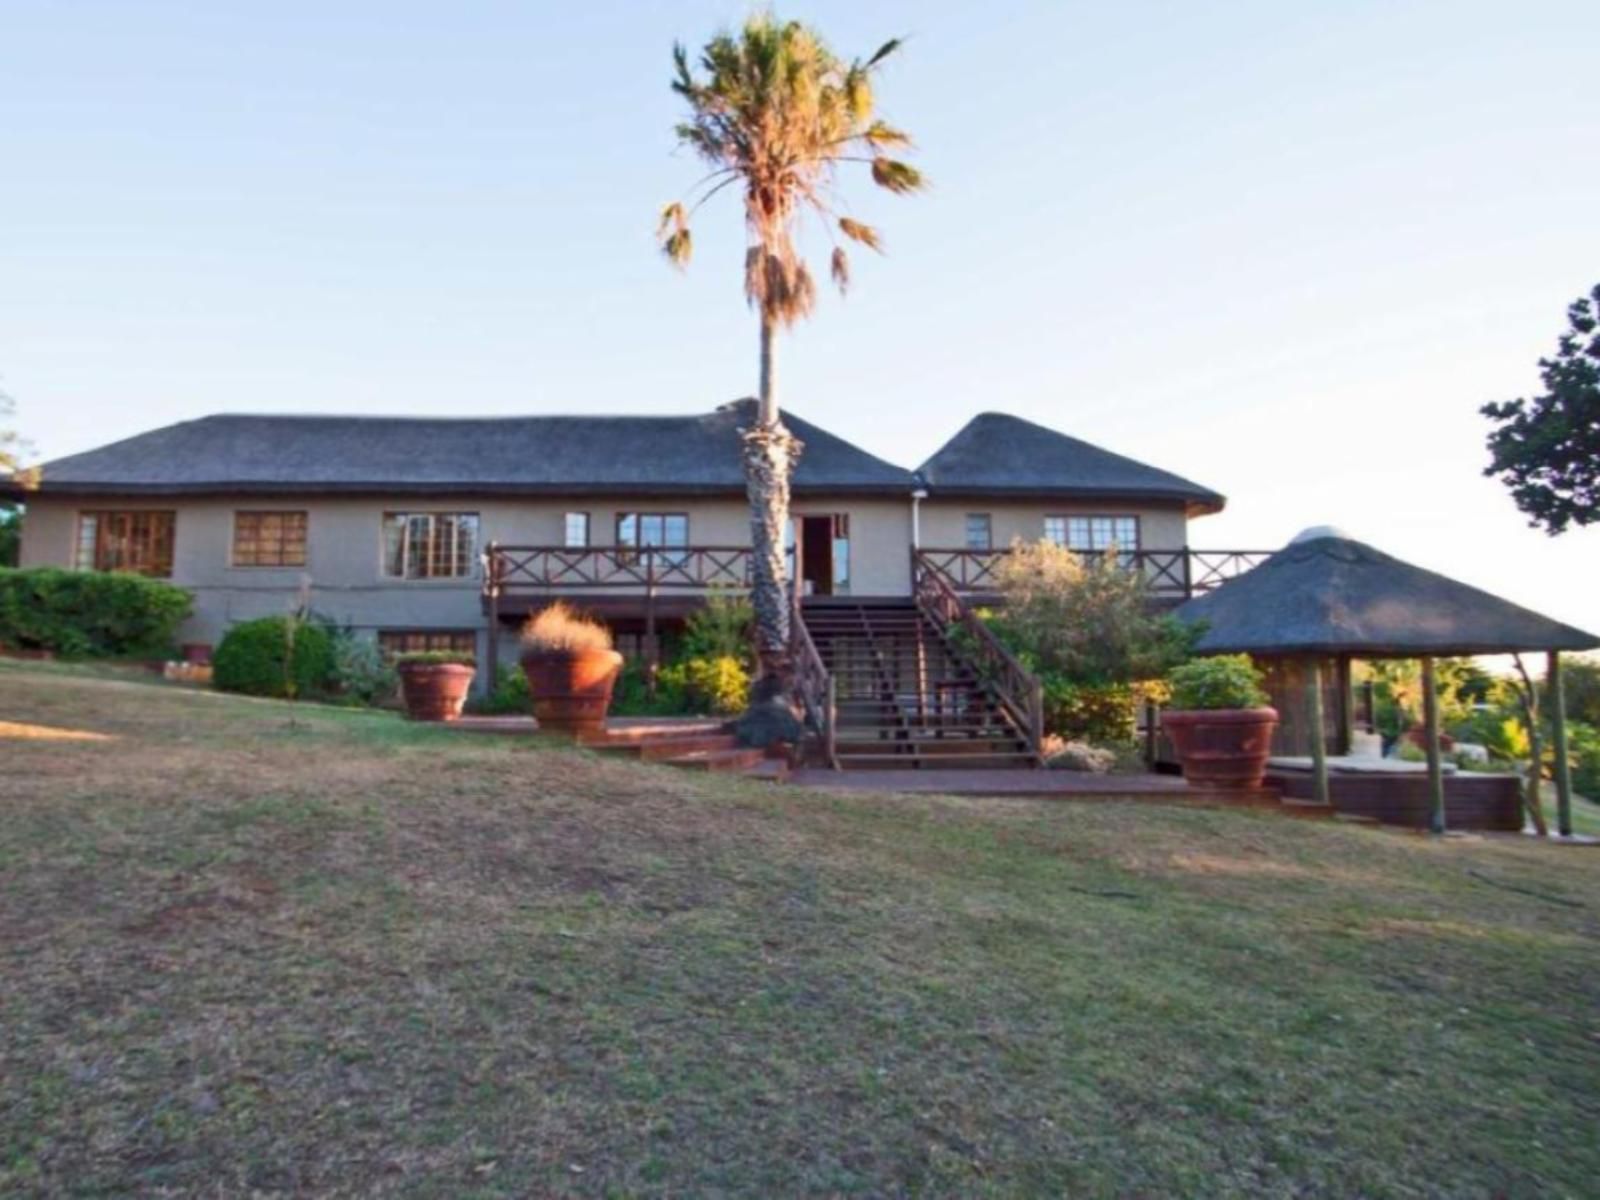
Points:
(1319, 749)
(1430, 721)
(1558, 724)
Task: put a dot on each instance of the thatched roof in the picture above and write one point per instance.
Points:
(998, 454)
(1330, 594)
(568, 455)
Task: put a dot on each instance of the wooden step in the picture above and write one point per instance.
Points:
(935, 762)
(739, 758)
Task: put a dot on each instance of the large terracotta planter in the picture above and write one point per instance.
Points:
(571, 690)
(434, 691)
(1222, 747)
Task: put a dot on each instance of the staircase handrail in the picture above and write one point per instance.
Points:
(814, 685)
(1019, 691)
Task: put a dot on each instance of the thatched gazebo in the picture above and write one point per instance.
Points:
(1326, 599)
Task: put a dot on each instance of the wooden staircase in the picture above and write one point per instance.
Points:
(905, 696)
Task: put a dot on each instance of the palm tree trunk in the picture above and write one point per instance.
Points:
(770, 453)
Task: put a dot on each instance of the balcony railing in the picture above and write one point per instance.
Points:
(1170, 574)
(509, 569)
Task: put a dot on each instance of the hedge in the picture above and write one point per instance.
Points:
(79, 614)
(254, 657)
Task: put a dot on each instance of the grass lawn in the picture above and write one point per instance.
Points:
(344, 954)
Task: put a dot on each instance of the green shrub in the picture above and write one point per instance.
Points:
(90, 613)
(1086, 712)
(361, 672)
(510, 695)
(275, 656)
(457, 658)
(632, 697)
(717, 685)
(1226, 681)
(724, 628)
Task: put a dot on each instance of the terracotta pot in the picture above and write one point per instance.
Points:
(198, 653)
(434, 691)
(571, 689)
(1222, 747)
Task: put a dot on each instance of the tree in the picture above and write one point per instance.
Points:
(11, 448)
(774, 112)
(1547, 449)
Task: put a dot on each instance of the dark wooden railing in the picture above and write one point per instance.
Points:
(1018, 690)
(591, 568)
(814, 687)
(1170, 574)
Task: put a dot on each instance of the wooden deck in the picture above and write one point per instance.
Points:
(1043, 784)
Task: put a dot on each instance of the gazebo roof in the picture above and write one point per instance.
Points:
(1326, 593)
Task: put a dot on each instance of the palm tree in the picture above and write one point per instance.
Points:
(776, 113)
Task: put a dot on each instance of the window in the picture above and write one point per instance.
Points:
(1093, 533)
(980, 534)
(654, 529)
(576, 530)
(126, 541)
(269, 539)
(414, 641)
(430, 545)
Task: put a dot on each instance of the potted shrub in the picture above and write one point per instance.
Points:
(1220, 723)
(571, 669)
(434, 683)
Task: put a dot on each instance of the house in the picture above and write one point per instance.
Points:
(425, 532)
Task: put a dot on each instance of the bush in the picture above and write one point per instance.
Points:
(1088, 622)
(90, 613)
(361, 673)
(718, 685)
(724, 628)
(560, 628)
(275, 656)
(510, 695)
(1226, 681)
(454, 658)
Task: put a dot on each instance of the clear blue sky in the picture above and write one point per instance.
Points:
(1284, 249)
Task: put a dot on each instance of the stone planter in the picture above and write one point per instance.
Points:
(1223, 747)
(571, 689)
(434, 691)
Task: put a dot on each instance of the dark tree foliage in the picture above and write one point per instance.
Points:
(10, 535)
(1547, 449)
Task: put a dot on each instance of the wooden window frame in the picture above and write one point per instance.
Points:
(150, 551)
(285, 560)
(400, 521)
(410, 641)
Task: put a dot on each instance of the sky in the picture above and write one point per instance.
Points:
(1286, 250)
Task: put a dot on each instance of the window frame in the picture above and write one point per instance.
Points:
(469, 562)
(305, 540)
(988, 531)
(566, 529)
(627, 550)
(459, 641)
(1067, 520)
(100, 518)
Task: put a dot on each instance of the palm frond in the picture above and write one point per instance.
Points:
(678, 247)
(857, 232)
(898, 177)
(884, 51)
(839, 267)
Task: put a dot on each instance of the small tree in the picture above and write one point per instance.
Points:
(1090, 620)
(1547, 449)
(1088, 628)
